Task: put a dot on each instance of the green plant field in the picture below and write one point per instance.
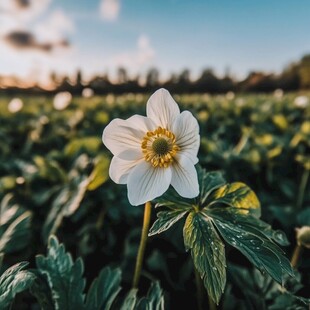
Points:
(54, 180)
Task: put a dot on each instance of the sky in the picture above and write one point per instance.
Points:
(99, 36)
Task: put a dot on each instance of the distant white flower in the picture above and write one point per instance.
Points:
(15, 105)
(62, 100)
(87, 92)
(152, 152)
(301, 101)
(110, 99)
(278, 93)
(230, 95)
(240, 102)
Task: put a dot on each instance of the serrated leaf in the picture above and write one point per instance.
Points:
(130, 301)
(255, 287)
(104, 290)
(208, 253)
(13, 281)
(208, 182)
(154, 299)
(100, 173)
(289, 301)
(63, 275)
(171, 200)
(17, 234)
(260, 250)
(233, 215)
(238, 195)
(41, 291)
(165, 220)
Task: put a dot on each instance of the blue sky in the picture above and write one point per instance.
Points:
(168, 34)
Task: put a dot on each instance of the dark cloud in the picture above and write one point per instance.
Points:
(20, 39)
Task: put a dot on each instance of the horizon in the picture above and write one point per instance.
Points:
(39, 37)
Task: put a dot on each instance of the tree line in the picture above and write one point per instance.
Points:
(294, 77)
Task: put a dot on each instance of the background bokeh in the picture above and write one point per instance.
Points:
(67, 68)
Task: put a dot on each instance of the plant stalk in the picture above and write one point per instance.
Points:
(296, 255)
(212, 305)
(200, 290)
(302, 188)
(143, 240)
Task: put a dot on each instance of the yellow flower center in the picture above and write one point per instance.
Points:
(159, 147)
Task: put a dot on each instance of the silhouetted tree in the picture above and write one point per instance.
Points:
(152, 78)
(207, 82)
(122, 76)
(304, 72)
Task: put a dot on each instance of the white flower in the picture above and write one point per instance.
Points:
(230, 95)
(301, 101)
(152, 152)
(88, 92)
(62, 100)
(278, 93)
(15, 105)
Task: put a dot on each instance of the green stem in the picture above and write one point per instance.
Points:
(212, 305)
(241, 144)
(296, 255)
(302, 188)
(144, 233)
(200, 290)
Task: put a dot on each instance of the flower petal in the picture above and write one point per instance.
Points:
(120, 169)
(122, 135)
(145, 183)
(142, 122)
(131, 154)
(186, 130)
(184, 177)
(162, 108)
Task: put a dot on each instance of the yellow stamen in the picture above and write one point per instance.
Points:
(159, 148)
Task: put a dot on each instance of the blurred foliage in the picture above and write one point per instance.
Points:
(54, 179)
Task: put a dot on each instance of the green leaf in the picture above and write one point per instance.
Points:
(104, 289)
(289, 301)
(14, 226)
(76, 197)
(130, 301)
(17, 235)
(171, 200)
(41, 291)
(165, 220)
(13, 281)
(88, 144)
(154, 299)
(100, 173)
(238, 195)
(50, 169)
(255, 245)
(207, 251)
(251, 223)
(208, 182)
(63, 275)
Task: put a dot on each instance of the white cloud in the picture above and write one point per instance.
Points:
(45, 49)
(24, 10)
(109, 9)
(138, 58)
(54, 27)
